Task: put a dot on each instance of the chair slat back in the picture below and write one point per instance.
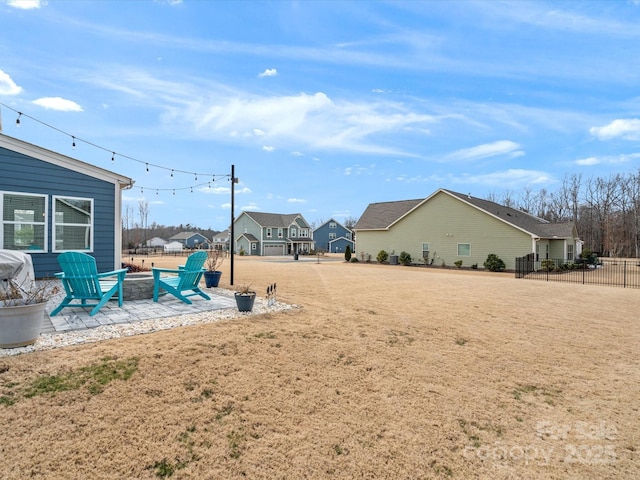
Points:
(192, 273)
(80, 274)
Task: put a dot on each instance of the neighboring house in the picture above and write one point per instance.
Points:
(449, 226)
(52, 203)
(333, 237)
(191, 240)
(272, 234)
(173, 247)
(156, 242)
(220, 241)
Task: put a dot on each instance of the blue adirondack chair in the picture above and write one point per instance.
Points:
(83, 283)
(184, 281)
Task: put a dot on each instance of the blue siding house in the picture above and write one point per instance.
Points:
(191, 240)
(333, 237)
(52, 203)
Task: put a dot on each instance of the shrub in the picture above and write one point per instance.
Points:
(382, 256)
(354, 259)
(347, 253)
(494, 263)
(404, 258)
(458, 263)
(548, 264)
(474, 266)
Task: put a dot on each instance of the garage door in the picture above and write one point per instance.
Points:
(274, 250)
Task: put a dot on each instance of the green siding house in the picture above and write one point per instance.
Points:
(258, 233)
(448, 226)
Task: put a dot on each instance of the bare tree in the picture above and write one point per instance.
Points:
(143, 212)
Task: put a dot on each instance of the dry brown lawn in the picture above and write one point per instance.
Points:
(384, 372)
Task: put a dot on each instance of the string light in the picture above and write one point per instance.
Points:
(114, 153)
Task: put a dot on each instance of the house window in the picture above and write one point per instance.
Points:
(293, 231)
(332, 235)
(570, 252)
(464, 249)
(24, 223)
(333, 225)
(268, 232)
(304, 232)
(425, 250)
(279, 233)
(73, 223)
(254, 246)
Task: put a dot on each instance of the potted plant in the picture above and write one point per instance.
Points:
(212, 272)
(22, 309)
(245, 298)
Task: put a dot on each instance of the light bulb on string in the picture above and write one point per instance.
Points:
(196, 176)
(172, 173)
(147, 166)
(18, 119)
(142, 190)
(73, 145)
(174, 192)
(191, 189)
(113, 157)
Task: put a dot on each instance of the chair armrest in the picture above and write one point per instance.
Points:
(165, 270)
(59, 275)
(120, 273)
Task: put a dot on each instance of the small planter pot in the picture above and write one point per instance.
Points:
(245, 301)
(20, 325)
(212, 279)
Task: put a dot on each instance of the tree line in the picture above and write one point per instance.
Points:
(606, 211)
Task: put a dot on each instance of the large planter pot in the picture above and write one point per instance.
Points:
(245, 301)
(211, 279)
(20, 325)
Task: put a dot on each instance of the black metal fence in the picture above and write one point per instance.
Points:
(597, 271)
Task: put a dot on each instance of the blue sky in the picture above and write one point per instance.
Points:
(325, 107)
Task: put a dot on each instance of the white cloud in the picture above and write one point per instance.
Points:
(501, 147)
(296, 200)
(297, 154)
(257, 132)
(7, 85)
(58, 103)
(627, 129)
(268, 148)
(269, 72)
(26, 4)
(509, 178)
(587, 161)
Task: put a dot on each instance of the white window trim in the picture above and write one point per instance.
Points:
(45, 222)
(268, 232)
(54, 224)
(280, 233)
(458, 249)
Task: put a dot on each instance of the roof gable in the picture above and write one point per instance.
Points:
(274, 220)
(381, 216)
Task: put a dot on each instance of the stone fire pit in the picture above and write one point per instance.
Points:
(138, 286)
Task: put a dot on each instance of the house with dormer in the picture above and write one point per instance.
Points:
(259, 233)
(333, 237)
